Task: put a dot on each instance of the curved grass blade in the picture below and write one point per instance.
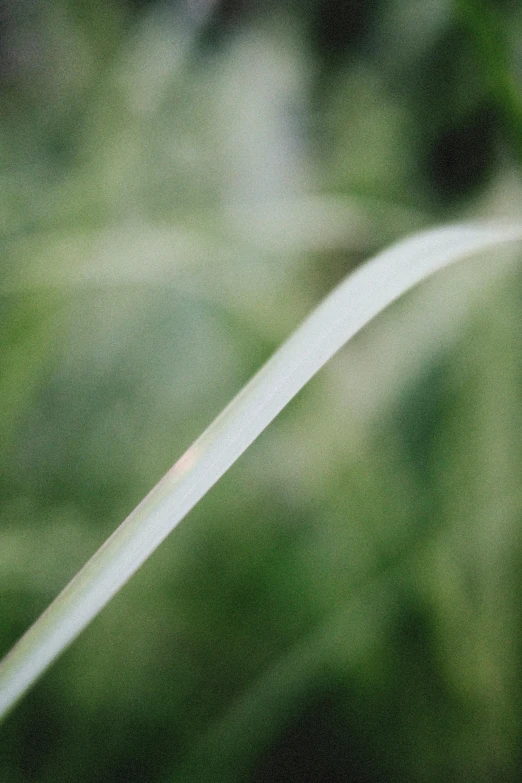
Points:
(351, 305)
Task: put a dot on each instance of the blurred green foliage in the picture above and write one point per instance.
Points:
(180, 184)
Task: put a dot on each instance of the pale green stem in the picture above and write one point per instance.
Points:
(344, 312)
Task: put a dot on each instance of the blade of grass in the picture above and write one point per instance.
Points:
(342, 314)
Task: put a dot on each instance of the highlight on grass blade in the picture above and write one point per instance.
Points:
(355, 301)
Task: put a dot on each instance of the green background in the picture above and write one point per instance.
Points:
(180, 183)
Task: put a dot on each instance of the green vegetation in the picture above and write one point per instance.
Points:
(181, 185)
